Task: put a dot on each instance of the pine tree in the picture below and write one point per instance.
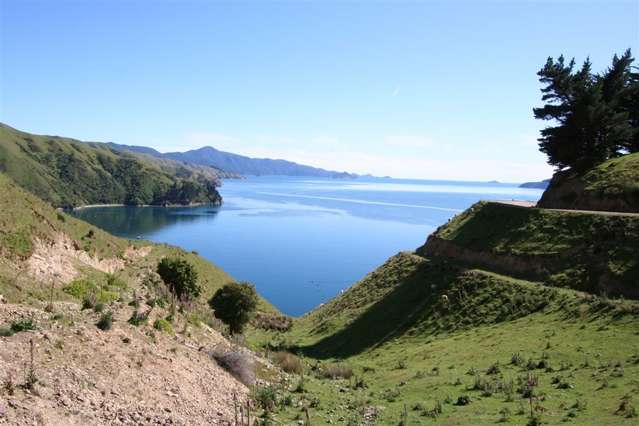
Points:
(596, 115)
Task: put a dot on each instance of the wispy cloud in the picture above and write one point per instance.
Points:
(396, 91)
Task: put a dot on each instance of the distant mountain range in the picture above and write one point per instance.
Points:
(234, 163)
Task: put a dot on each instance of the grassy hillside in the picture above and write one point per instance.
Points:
(594, 253)
(69, 173)
(611, 186)
(466, 358)
(497, 319)
(35, 238)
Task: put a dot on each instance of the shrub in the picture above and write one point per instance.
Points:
(265, 397)
(138, 318)
(234, 303)
(5, 332)
(269, 322)
(99, 307)
(336, 370)
(24, 324)
(241, 365)
(105, 322)
(79, 288)
(289, 362)
(493, 369)
(516, 359)
(390, 395)
(88, 302)
(180, 276)
(163, 325)
(463, 400)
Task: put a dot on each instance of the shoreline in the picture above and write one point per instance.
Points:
(92, 206)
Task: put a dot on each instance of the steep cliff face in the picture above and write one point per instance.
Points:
(586, 252)
(611, 186)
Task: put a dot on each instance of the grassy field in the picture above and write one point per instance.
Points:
(68, 173)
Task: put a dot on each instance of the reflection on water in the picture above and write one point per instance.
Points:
(301, 241)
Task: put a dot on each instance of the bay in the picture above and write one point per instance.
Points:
(300, 240)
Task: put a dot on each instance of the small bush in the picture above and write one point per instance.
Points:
(5, 332)
(516, 359)
(289, 362)
(236, 362)
(493, 369)
(463, 400)
(88, 302)
(105, 322)
(163, 325)
(271, 322)
(336, 370)
(25, 324)
(390, 395)
(79, 288)
(138, 318)
(99, 307)
(265, 397)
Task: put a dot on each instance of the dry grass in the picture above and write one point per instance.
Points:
(289, 362)
(336, 370)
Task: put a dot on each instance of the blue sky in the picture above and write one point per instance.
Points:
(407, 89)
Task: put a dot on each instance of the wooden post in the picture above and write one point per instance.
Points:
(235, 407)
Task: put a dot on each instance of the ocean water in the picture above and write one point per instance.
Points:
(303, 240)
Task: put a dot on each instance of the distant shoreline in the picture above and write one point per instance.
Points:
(92, 206)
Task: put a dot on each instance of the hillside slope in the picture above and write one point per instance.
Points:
(611, 186)
(499, 318)
(587, 252)
(68, 173)
(59, 277)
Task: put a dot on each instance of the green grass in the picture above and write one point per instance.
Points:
(612, 185)
(587, 252)
(408, 347)
(68, 173)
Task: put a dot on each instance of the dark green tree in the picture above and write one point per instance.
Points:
(180, 276)
(593, 113)
(234, 304)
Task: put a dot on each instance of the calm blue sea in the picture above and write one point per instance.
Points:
(303, 240)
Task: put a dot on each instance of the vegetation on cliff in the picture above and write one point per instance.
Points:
(69, 173)
(611, 186)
